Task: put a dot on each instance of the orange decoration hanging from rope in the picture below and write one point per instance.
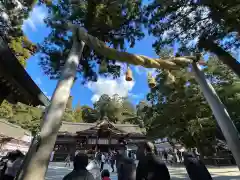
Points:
(151, 81)
(129, 76)
(103, 67)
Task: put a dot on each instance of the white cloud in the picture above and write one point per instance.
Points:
(110, 87)
(35, 18)
(38, 81)
(136, 96)
(144, 71)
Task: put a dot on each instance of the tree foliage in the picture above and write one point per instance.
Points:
(6, 110)
(29, 117)
(116, 108)
(89, 115)
(111, 21)
(181, 112)
(13, 14)
(211, 25)
(78, 113)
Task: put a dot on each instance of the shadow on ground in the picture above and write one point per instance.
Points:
(56, 171)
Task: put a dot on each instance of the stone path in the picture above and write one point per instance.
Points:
(57, 171)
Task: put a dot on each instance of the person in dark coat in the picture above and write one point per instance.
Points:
(150, 167)
(195, 167)
(126, 168)
(79, 171)
(179, 154)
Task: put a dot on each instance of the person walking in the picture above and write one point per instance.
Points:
(52, 156)
(112, 161)
(103, 159)
(68, 160)
(150, 167)
(98, 156)
(79, 171)
(179, 154)
(165, 155)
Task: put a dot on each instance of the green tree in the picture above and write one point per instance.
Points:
(12, 15)
(111, 21)
(203, 24)
(89, 115)
(27, 117)
(227, 85)
(68, 116)
(78, 113)
(116, 108)
(6, 110)
(66, 33)
(192, 122)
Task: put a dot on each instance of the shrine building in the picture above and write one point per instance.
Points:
(88, 137)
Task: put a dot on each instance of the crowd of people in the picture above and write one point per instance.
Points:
(149, 167)
(172, 156)
(10, 165)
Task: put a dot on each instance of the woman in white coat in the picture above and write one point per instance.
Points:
(94, 168)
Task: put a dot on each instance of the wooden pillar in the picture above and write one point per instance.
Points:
(97, 138)
(87, 146)
(73, 148)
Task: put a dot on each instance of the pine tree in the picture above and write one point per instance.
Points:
(196, 25)
(112, 22)
(192, 122)
(78, 113)
(13, 12)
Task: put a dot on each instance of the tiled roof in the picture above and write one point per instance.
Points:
(15, 73)
(73, 128)
(11, 130)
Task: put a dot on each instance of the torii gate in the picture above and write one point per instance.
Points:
(37, 159)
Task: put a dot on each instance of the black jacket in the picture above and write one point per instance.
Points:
(195, 168)
(151, 167)
(79, 175)
(126, 168)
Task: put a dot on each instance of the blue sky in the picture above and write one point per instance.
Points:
(35, 29)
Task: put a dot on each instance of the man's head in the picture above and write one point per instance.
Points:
(80, 161)
(105, 173)
(149, 148)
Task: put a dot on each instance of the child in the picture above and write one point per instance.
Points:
(105, 175)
